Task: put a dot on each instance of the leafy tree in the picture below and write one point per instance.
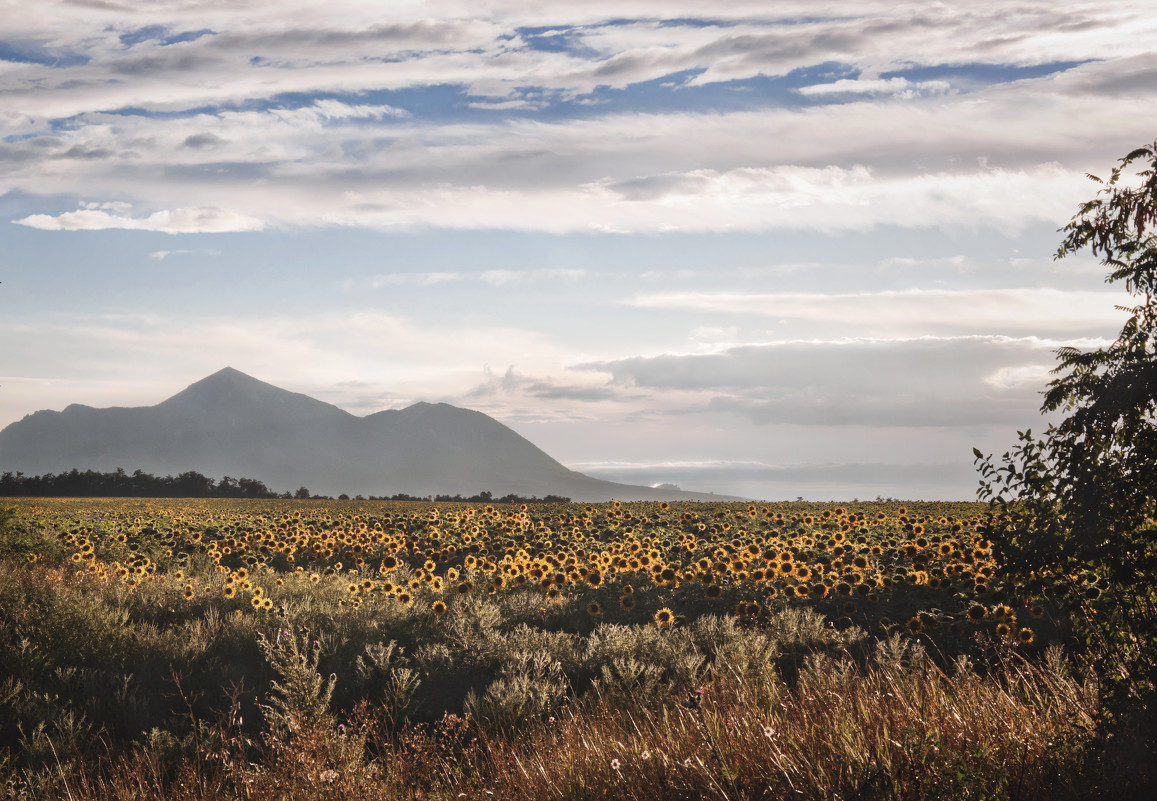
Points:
(1075, 509)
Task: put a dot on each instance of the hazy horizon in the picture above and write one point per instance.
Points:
(778, 250)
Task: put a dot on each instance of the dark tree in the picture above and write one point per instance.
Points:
(1077, 507)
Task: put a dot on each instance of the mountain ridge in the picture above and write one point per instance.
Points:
(230, 423)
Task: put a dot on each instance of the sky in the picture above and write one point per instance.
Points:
(771, 249)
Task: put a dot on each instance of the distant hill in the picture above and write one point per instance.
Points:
(232, 424)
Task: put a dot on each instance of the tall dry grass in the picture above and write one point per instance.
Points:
(893, 726)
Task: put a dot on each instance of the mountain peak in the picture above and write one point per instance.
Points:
(231, 395)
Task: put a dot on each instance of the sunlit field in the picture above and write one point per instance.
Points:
(880, 566)
(286, 649)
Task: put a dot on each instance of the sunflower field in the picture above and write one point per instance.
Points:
(285, 649)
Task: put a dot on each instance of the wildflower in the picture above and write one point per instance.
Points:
(615, 764)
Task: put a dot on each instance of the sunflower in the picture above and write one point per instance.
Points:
(594, 608)
(189, 592)
(404, 598)
(229, 591)
(977, 613)
(1025, 636)
(712, 592)
(439, 608)
(664, 617)
(1003, 630)
(627, 602)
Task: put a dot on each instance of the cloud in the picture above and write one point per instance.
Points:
(914, 382)
(513, 383)
(303, 118)
(433, 278)
(192, 220)
(899, 87)
(937, 310)
(202, 140)
(161, 255)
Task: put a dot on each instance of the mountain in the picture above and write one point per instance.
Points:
(233, 424)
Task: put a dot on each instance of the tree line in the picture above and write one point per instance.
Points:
(138, 484)
(191, 484)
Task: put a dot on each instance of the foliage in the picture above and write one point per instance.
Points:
(1081, 501)
(300, 697)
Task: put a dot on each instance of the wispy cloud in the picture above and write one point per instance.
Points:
(191, 220)
(1016, 309)
(161, 255)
